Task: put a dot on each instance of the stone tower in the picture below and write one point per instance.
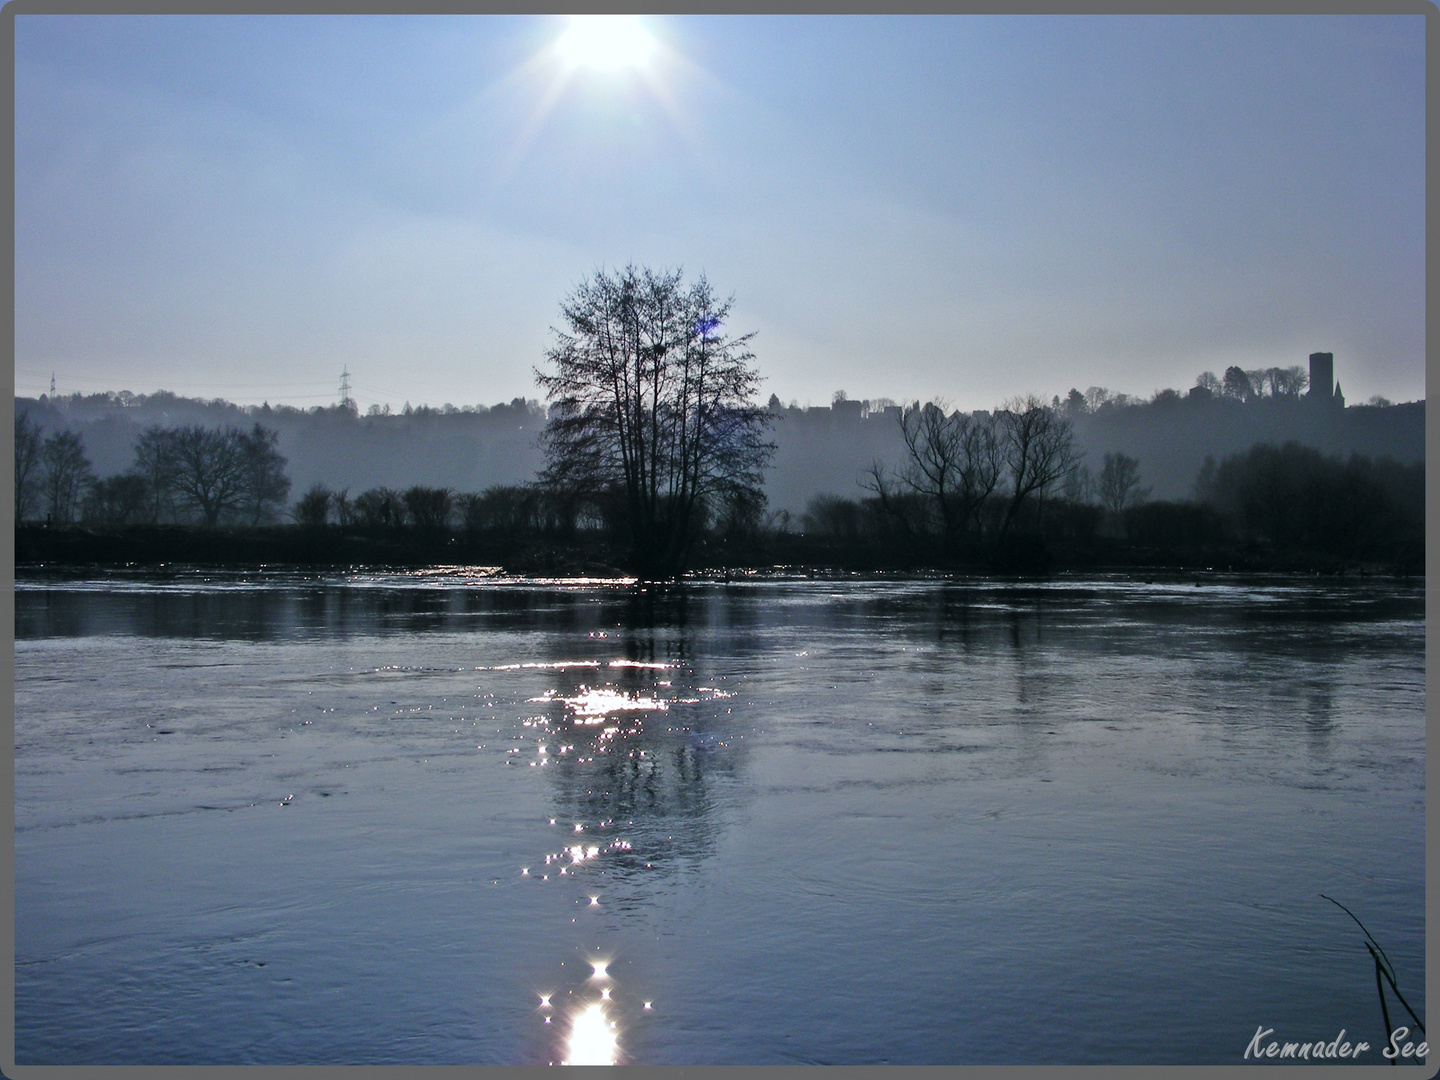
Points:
(1322, 376)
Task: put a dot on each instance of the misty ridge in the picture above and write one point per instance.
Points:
(1268, 455)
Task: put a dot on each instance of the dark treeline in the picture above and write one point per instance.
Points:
(1294, 498)
(1270, 508)
(500, 516)
(521, 527)
(1286, 507)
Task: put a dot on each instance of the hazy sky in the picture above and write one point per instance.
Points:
(965, 206)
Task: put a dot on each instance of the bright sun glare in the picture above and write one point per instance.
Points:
(592, 1038)
(605, 42)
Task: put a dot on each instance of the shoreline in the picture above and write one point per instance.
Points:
(42, 552)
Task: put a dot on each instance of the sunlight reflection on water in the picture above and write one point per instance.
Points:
(603, 701)
(593, 1037)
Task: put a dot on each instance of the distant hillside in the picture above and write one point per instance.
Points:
(465, 449)
(824, 450)
(827, 451)
(1171, 437)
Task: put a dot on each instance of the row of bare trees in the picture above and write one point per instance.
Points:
(970, 479)
(52, 474)
(1245, 385)
(971, 475)
(213, 476)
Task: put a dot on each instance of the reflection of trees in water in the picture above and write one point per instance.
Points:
(661, 804)
(1272, 661)
(648, 776)
(1320, 715)
(411, 610)
(970, 615)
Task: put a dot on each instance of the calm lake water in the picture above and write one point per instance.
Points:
(445, 818)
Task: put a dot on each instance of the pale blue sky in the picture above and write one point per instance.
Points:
(972, 207)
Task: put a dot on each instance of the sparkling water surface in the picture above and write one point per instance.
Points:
(450, 817)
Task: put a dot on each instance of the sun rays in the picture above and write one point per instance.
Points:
(597, 58)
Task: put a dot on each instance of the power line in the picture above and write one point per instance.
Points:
(33, 376)
(32, 381)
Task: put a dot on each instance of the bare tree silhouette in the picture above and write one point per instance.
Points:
(117, 500)
(66, 476)
(154, 463)
(263, 483)
(953, 461)
(654, 401)
(429, 508)
(1037, 448)
(1119, 484)
(27, 464)
(380, 510)
(214, 473)
(313, 509)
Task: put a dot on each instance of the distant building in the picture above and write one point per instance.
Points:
(847, 409)
(1323, 386)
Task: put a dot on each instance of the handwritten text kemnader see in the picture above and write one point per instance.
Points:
(1337, 1047)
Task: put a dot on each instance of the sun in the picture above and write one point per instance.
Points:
(605, 43)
